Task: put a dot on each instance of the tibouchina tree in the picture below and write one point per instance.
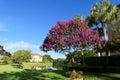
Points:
(72, 35)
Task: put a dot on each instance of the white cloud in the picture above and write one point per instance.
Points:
(2, 40)
(19, 45)
(2, 27)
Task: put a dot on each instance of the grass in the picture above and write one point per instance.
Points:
(32, 75)
(102, 76)
(10, 68)
(15, 72)
(29, 65)
(12, 72)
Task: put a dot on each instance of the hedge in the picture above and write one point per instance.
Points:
(101, 61)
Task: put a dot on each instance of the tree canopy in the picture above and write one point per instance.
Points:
(103, 13)
(22, 56)
(70, 35)
(47, 58)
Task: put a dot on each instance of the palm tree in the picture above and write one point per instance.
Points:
(103, 13)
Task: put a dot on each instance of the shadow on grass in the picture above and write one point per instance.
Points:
(32, 75)
(17, 66)
(103, 76)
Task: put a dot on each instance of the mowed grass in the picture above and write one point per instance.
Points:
(10, 68)
(15, 72)
(102, 76)
(30, 65)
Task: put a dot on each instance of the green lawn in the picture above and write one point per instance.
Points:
(29, 65)
(10, 68)
(14, 72)
(102, 76)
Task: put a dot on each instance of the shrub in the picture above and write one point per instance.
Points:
(5, 60)
(75, 74)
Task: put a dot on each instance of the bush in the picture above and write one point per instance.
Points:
(74, 74)
(5, 60)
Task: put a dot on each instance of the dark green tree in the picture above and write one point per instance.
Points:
(47, 58)
(59, 63)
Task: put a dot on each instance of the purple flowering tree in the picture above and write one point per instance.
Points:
(72, 35)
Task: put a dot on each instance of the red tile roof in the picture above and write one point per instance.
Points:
(36, 54)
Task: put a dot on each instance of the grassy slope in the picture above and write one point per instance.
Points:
(10, 68)
(8, 72)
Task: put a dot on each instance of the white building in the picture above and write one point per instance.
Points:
(36, 57)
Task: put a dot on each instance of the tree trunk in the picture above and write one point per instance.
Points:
(73, 63)
(104, 30)
(83, 61)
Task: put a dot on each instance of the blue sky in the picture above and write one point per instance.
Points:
(25, 23)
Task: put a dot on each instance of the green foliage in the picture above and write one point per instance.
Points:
(75, 74)
(103, 13)
(10, 72)
(6, 60)
(59, 63)
(76, 55)
(73, 58)
(113, 45)
(115, 30)
(79, 17)
(89, 53)
(79, 74)
(21, 56)
(47, 58)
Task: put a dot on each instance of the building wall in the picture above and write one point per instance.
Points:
(36, 58)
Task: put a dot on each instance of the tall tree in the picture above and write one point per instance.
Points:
(103, 13)
(67, 36)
